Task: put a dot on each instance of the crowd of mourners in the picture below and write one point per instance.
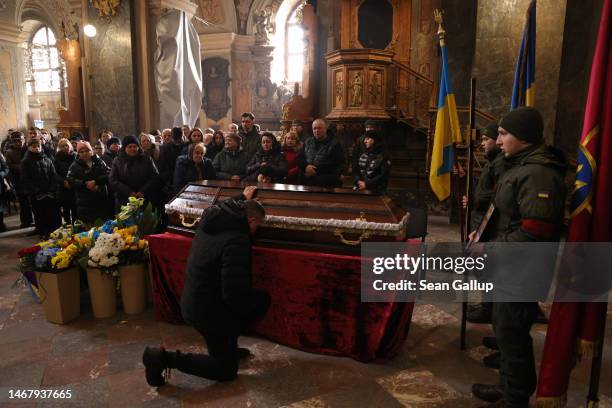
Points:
(59, 179)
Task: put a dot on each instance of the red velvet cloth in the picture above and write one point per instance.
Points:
(316, 300)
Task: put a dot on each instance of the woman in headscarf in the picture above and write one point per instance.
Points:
(231, 162)
(133, 174)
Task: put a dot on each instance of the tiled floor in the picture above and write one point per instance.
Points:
(99, 361)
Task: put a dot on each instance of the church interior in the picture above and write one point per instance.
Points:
(169, 77)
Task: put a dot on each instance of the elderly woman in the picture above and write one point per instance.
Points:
(230, 163)
(193, 167)
(64, 157)
(133, 174)
(268, 162)
(292, 150)
(88, 176)
(149, 147)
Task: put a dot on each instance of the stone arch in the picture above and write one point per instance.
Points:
(51, 13)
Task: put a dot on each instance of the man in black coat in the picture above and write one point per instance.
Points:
(249, 132)
(323, 159)
(218, 299)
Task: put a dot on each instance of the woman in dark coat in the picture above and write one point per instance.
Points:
(133, 174)
(193, 167)
(88, 176)
(374, 166)
(268, 164)
(64, 157)
(231, 162)
(40, 184)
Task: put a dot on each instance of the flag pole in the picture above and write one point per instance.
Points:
(465, 228)
(593, 397)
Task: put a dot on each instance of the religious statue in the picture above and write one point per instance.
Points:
(262, 26)
(339, 90)
(357, 89)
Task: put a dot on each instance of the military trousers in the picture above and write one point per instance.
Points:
(512, 323)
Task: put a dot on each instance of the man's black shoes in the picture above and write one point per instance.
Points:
(488, 393)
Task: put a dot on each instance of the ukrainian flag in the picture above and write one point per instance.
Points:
(447, 132)
(523, 91)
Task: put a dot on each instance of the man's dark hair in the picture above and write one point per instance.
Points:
(255, 209)
(177, 134)
(17, 135)
(248, 115)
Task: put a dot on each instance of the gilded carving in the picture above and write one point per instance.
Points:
(106, 8)
(357, 90)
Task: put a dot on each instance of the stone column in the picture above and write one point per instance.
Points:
(13, 98)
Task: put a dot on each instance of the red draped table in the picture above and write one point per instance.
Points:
(316, 300)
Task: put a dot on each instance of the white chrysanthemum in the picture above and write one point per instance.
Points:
(106, 250)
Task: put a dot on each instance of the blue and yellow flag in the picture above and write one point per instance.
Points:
(523, 91)
(447, 133)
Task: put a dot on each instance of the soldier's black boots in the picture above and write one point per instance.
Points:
(156, 361)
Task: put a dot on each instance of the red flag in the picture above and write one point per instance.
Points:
(579, 326)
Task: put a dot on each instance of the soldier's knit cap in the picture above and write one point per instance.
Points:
(525, 123)
(490, 130)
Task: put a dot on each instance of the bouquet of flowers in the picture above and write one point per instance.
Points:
(105, 252)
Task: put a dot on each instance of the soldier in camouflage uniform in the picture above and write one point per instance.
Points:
(529, 203)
